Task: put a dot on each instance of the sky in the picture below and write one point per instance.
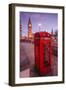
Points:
(48, 21)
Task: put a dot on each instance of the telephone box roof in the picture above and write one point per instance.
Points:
(42, 34)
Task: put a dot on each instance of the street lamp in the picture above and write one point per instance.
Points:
(39, 25)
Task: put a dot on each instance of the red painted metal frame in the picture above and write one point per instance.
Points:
(42, 42)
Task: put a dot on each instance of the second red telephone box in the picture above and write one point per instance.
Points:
(43, 52)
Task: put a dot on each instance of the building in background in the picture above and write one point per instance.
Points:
(30, 33)
(29, 29)
(20, 30)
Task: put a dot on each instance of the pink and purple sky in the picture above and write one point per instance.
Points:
(48, 21)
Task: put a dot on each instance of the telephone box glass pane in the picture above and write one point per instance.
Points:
(46, 55)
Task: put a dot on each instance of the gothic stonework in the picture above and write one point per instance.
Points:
(30, 29)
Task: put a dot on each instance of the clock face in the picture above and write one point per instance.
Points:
(30, 25)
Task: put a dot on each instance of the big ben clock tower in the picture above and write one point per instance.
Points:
(29, 29)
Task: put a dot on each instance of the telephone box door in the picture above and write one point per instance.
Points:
(43, 53)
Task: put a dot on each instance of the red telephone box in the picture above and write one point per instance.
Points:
(43, 52)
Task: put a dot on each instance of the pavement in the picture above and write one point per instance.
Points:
(27, 61)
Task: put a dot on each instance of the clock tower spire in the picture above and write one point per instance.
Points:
(29, 29)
